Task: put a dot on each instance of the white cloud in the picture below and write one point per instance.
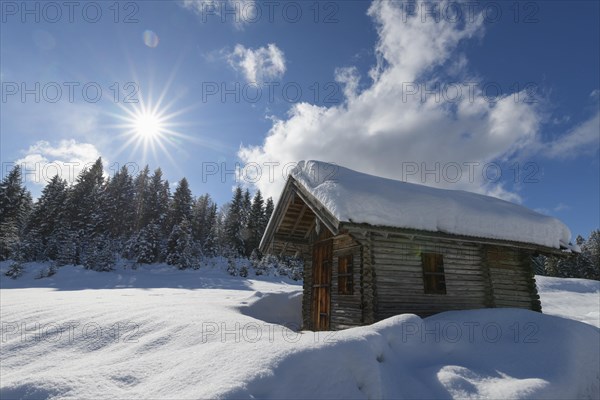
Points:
(67, 158)
(558, 208)
(583, 139)
(561, 207)
(349, 78)
(258, 65)
(238, 12)
(381, 128)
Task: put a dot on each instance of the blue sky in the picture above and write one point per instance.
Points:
(378, 82)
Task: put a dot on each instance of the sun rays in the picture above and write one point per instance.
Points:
(148, 126)
(151, 129)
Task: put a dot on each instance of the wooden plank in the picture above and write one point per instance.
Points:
(321, 285)
(288, 239)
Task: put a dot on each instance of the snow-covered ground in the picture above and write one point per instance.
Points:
(578, 299)
(161, 333)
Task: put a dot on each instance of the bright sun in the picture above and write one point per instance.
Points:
(150, 128)
(147, 125)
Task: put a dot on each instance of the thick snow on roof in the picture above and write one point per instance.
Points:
(361, 198)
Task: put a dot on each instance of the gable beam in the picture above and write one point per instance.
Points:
(320, 212)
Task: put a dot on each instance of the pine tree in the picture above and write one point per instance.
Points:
(15, 206)
(200, 214)
(66, 244)
(157, 208)
(118, 204)
(181, 205)
(592, 245)
(89, 222)
(243, 271)
(45, 219)
(233, 223)
(99, 254)
(267, 265)
(180, 246)
(232, 265)
(269, 208)
(255, 223)
(15, 270)
(210, 246)
(583, 265)
(255, 258)
(146, 245)
(82, 205)
(246, 207)
(83, 215)
(539, 264)
(141, 189)
(246, 234)
(30, 247)
(588, 262)
(293, 268)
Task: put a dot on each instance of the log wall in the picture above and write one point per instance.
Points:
(399, 276)
(388, 278)
(346, 310)
(307, 294)
(512, 278)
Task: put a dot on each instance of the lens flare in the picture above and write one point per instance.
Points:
(150, 38)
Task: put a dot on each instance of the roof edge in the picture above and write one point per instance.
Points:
(292, 186)
(451, 236)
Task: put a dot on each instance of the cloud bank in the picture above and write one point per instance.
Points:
(421, 108)
(391, 122)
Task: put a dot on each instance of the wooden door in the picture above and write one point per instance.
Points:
(321, 286)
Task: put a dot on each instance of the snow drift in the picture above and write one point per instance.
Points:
(162, 333)
(361, 198)
(499, 354)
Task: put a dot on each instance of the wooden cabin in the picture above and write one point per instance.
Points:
(359, 268)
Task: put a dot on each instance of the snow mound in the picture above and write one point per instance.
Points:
(283, 308)
(360, 198)
(500, 353)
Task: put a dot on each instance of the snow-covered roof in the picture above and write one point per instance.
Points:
(356, 197)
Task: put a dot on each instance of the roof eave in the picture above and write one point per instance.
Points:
(293, 187)
(450, 236)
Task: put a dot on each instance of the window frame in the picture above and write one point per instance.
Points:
(434, 282)
(347, 278)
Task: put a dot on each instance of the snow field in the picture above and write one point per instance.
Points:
(162, 333)
(570, 298)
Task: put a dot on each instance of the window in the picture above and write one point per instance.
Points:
(434, 279)
(345, 277)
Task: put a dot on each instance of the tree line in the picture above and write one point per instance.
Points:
(97, 219)
(584, 265)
